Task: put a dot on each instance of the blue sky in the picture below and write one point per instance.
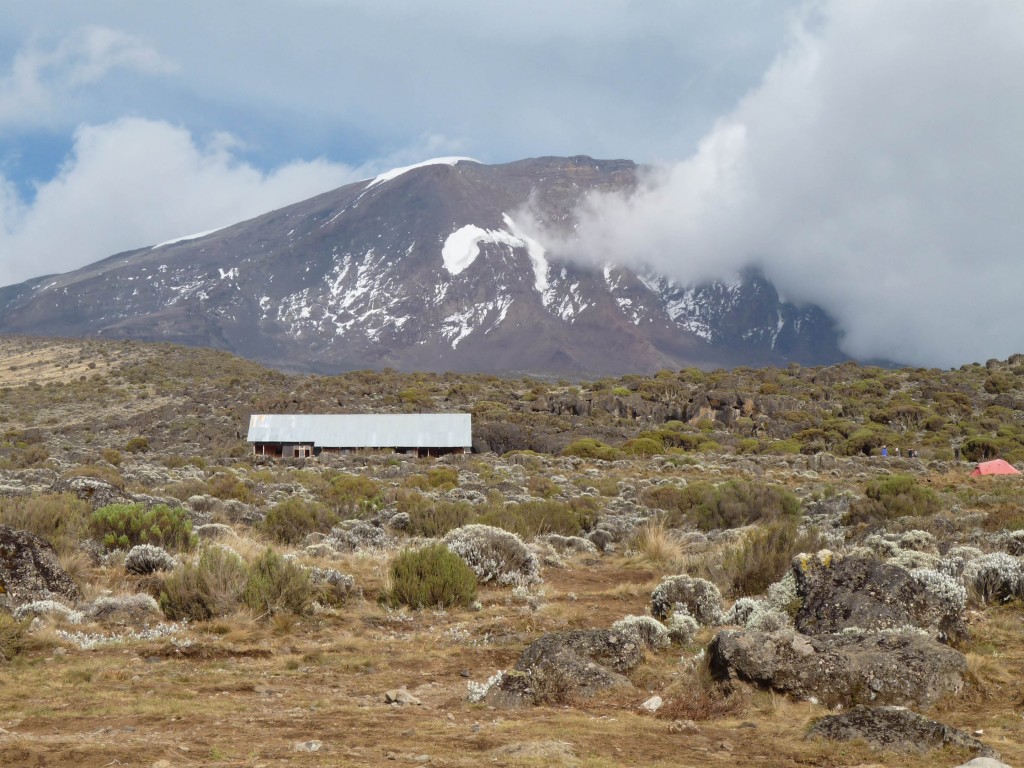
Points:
(287, 98)
(864, 153)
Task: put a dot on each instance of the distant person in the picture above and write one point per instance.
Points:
(885, 451)
(897, 451)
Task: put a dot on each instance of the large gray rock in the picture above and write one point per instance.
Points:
(30, 571)
(895, 728)
(842, 669)
(561, 665)
(865, 594)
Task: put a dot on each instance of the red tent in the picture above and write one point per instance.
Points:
(996, 467)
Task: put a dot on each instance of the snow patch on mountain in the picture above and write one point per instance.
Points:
(182, 239)
(394, 173)
(462, 246)
(536, 253)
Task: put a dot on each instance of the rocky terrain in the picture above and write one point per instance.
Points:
(678, 569)
(427, 268)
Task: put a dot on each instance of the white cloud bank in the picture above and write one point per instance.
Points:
(41, 78)
(134, 182)
(876, 170)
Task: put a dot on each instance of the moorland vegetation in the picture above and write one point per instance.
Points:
(695, 537)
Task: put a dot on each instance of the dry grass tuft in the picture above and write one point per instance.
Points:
(657, 543)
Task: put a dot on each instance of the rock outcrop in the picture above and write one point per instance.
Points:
(561, 665)
(895, 728)
(841, 669)
(863, 594)
(30, 571)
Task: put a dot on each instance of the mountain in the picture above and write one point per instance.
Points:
(424, 268)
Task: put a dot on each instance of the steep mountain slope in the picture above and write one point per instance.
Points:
(423, 268)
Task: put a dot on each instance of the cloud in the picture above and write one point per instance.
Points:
(875, 170)
(136, 182)
(40, 77)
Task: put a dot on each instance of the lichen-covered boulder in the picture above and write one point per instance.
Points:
(895, 728)
(561, 665)
(30, 571)
(857, 593)
(842, 669)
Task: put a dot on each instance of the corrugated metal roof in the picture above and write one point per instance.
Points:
(405, 430)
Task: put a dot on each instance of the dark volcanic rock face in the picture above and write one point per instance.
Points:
(426, 269)
(29, 570)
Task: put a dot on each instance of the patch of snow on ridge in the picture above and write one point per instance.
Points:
(394, 173)
(536, 252)
(462, 246)
(196, 236)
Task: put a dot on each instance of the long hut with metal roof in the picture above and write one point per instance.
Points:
(303, 435)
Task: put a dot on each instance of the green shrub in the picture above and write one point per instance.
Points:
(208, 588)
(534, 518)
(432, 519)
(291, 521)
(890, 497)
(351, 495)
(60, 518)
(588, 448)
(227, 485)
(111, 456)
(545, 487)
(730, 505)
(108, 475)
(437, 479)
(979, 448)
(137, 445)
(276, 585)
(121, 526)
(643, 446)
(431, 577)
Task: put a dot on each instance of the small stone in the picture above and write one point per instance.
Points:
(464, 673)
(683, 726)
(726, 746)
(653, 704)
(401, 696)
(307, 746)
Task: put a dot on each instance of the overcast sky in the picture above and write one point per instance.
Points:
(866, 154)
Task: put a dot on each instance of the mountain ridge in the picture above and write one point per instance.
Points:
(425, 268)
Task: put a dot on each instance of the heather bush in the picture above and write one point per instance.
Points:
(437, 479)
(890, 497)
(350, 495)
(208, 587)
(430, 577)
(295, 518)
(765, 554)
(682, 627)
(430, 518)
(277, 585)
(730, 505)
(494, 555)
(227, 485)
(120, 526)
(589, 448)
(533, 518)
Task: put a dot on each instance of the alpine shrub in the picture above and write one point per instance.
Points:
(209, 587)
(277, 585)
(144, 559)
(702, 599)
(431, 577)
(890, 497)
(121, 526)
(291, 521)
